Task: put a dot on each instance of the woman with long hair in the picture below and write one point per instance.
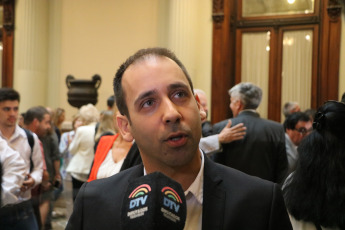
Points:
(315, 193)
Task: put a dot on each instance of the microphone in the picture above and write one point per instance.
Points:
(153, 202)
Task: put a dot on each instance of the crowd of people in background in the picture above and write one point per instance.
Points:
(304, 154)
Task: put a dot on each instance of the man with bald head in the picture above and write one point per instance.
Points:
(154, 94)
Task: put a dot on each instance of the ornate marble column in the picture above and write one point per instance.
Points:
(182, 32)
(31, 52)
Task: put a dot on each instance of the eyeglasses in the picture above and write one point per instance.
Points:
(303, 130)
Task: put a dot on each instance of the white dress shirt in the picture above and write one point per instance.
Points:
(291, 153)
(19, 142)
(14, 169)
(194, 197)
(210, 145)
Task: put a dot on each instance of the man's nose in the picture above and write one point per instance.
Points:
(170, 111)
(12, 112)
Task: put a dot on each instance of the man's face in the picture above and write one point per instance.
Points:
(164, 116)
(8, 113)
(44, 126)
(302, 129)
(235, 105)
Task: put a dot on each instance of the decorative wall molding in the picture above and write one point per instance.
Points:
(218, 11)
(334, 9)
(8, 15)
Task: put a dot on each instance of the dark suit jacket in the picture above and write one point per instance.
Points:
(231, 200)
(207, 129)
(262, 151)
(133, 158)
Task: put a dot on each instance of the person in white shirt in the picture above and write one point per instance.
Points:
(13, 174)
(17, 139)
(82, 146)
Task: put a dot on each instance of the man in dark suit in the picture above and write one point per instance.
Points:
(154, 95)
(262, 151)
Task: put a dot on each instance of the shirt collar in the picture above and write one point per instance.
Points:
(17, 133)
(196, 188)
(249, 110)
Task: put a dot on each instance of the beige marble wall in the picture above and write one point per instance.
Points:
(84, 37)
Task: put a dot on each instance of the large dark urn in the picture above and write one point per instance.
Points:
(82, 92)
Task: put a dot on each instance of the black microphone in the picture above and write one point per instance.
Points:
(154, 202)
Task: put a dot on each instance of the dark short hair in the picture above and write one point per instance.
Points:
(9, 94)
(343, 98)
(37, 112)
(141, 55)
(110, 101)
(292, 119)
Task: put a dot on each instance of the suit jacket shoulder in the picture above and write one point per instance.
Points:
(234, 200)
(98, 204)
(218, 127)
(262, 151)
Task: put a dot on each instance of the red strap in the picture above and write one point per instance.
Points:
(104, 145)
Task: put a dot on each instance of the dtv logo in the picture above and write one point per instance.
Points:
(171, 204)
(137, 202)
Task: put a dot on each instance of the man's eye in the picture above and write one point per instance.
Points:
(148, 103)
(180, 94)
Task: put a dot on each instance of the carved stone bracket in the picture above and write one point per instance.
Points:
(218, 11)
(334, 9)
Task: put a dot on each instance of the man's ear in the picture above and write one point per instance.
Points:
(124, 127)
(201, 109)
(240, 106)
(35, 122)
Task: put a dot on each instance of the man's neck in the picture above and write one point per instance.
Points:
(185, 175)
(8, 131)
(29, 127)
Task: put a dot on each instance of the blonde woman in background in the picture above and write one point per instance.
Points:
(58, 117)
(81, 147)
(105, 127)
(114, 154)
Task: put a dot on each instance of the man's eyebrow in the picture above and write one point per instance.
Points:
(177, 85)
(144, 95)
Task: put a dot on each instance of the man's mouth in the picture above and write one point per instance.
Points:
(176, 140)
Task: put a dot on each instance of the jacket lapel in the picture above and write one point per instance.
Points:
(213, 198)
